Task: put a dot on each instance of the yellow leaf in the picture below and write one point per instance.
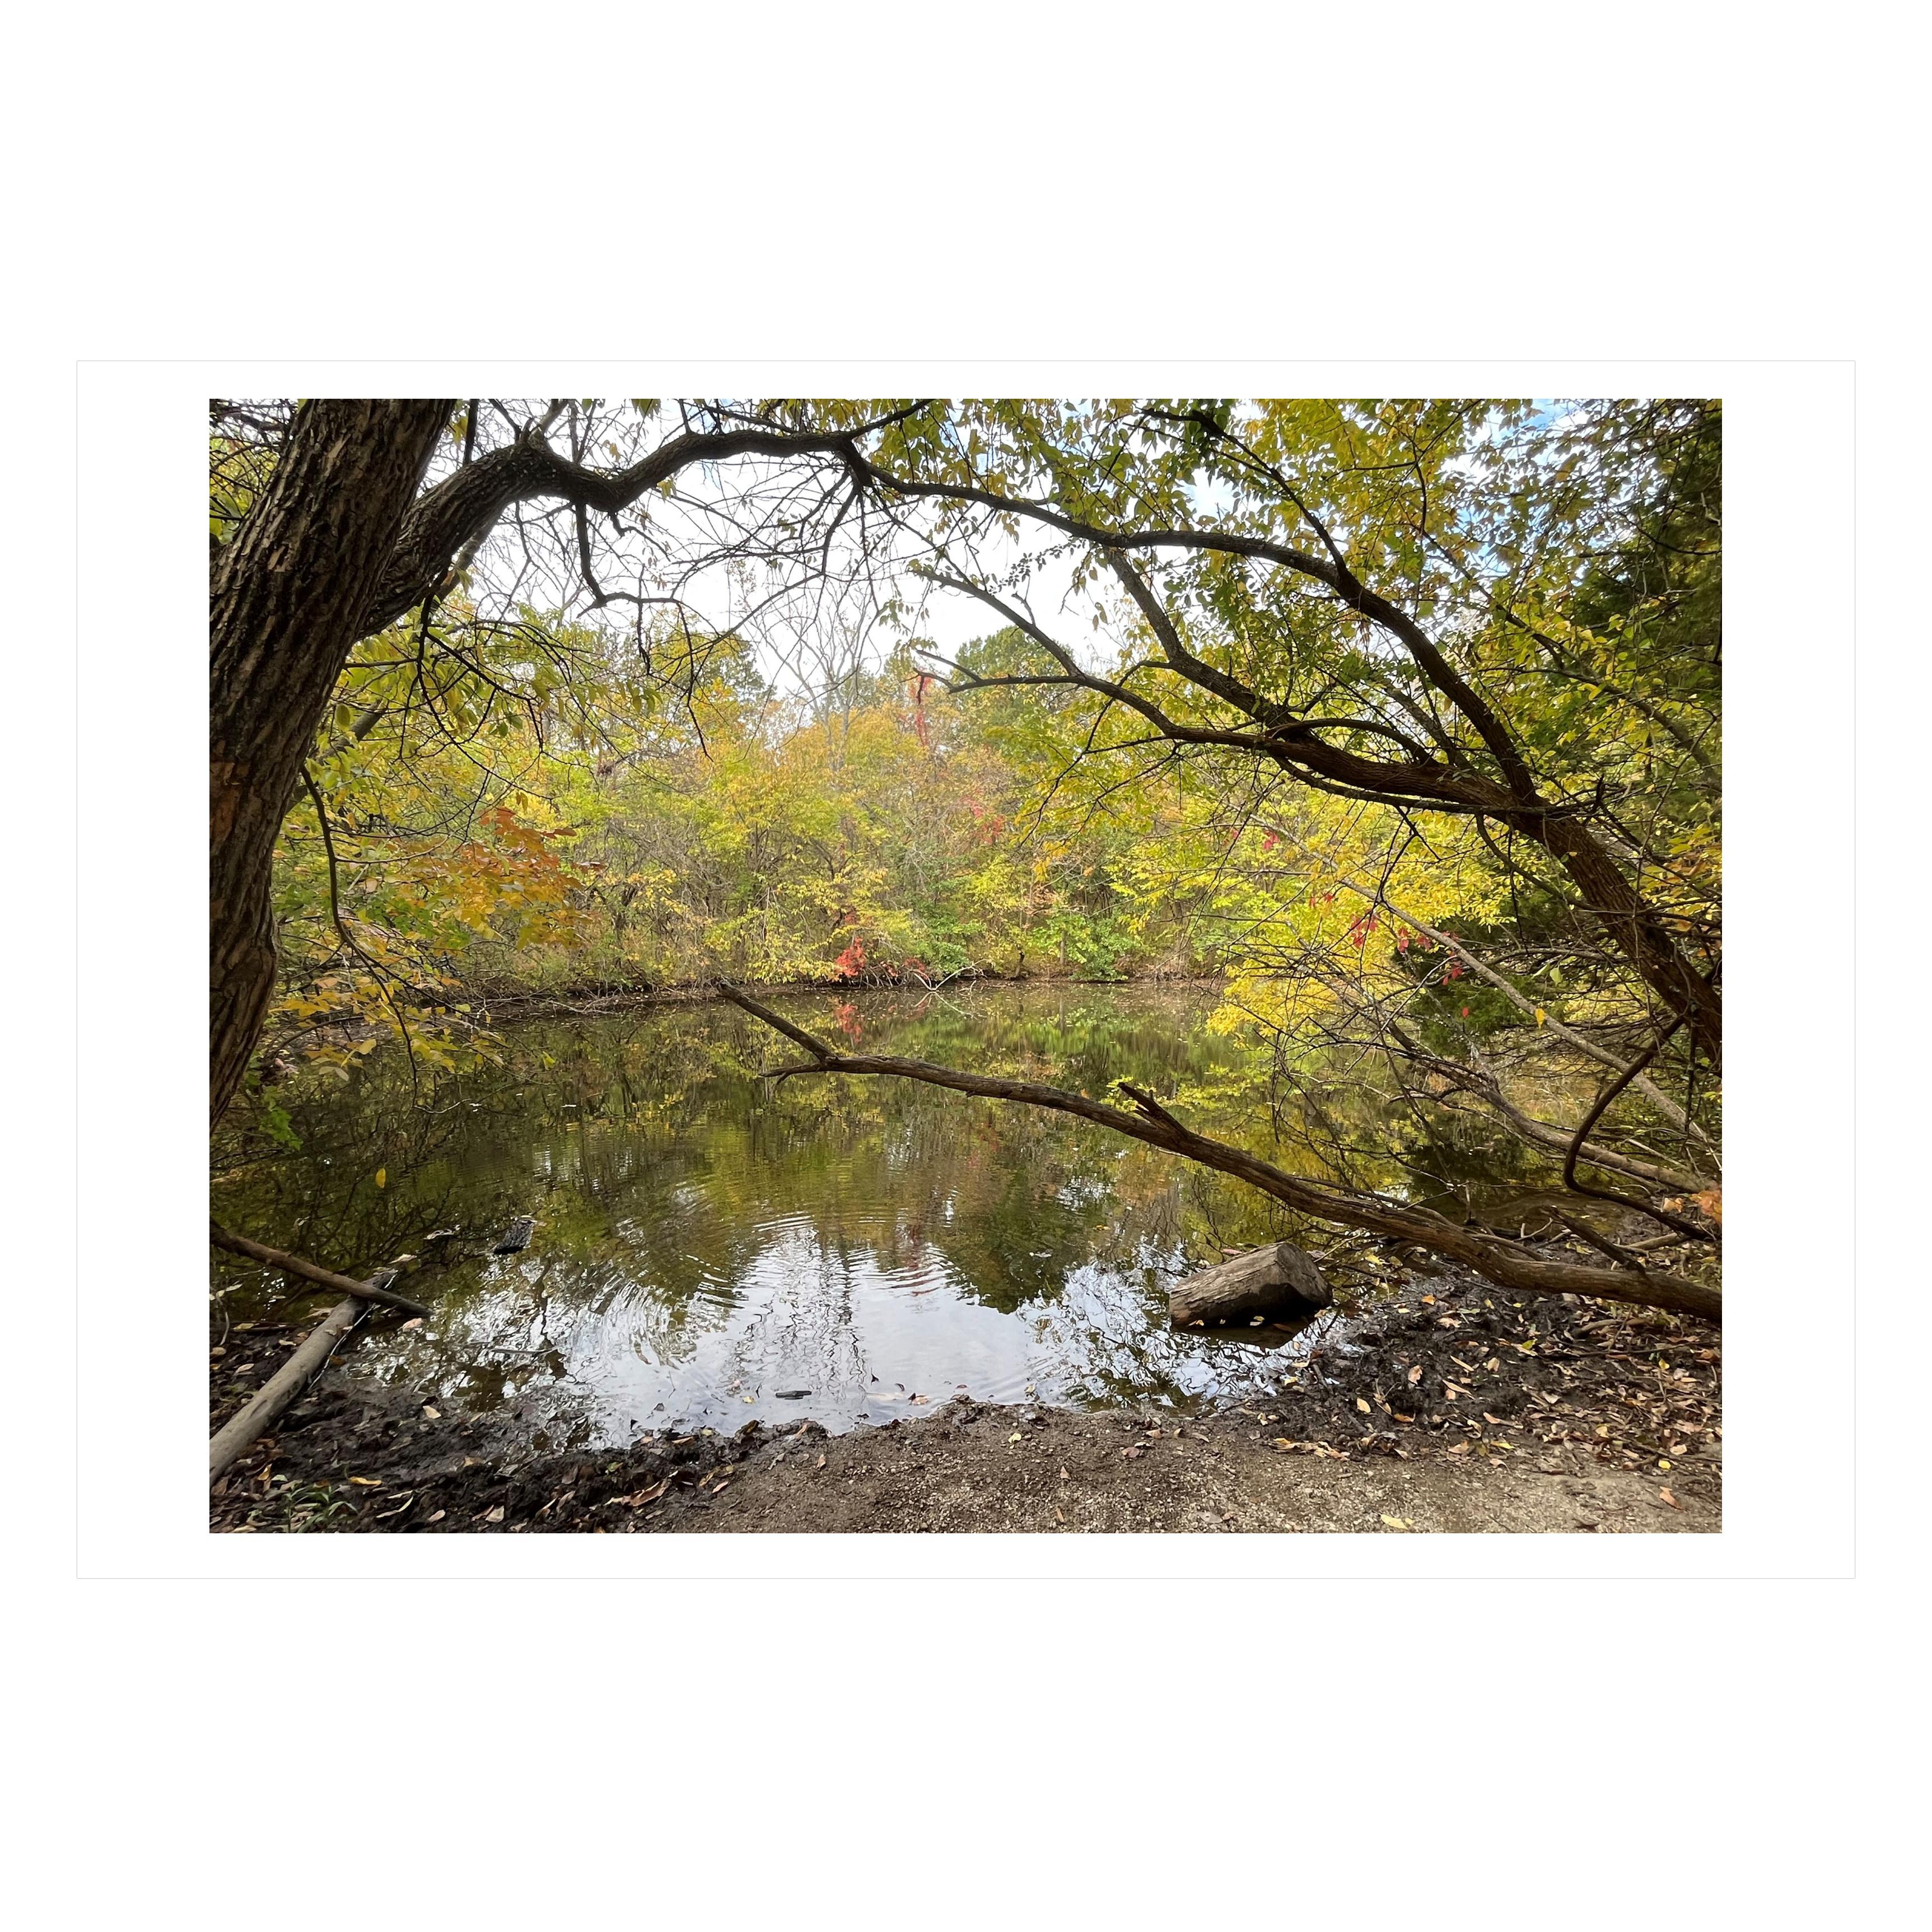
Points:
(1539, 1016)
(1397, 1523)
(381, 1177)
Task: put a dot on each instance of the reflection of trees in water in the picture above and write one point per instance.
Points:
(806, 1318)
(676, 1191)
(1107, 1334)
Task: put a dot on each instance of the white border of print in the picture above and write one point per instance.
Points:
(141, 1505)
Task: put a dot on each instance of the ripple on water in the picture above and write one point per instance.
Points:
(710, 1251)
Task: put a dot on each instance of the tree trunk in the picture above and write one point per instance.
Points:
(1255, 1283)
(287, 597)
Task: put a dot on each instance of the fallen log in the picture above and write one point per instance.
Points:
(1259, 1282)
(378, 1290)
(288, 1381)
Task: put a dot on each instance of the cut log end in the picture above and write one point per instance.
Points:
(1281, 1279)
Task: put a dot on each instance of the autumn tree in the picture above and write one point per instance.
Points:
(1480, 629)
(333, 519)
(1437, 682)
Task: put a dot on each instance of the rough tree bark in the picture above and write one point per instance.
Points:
(288, 596)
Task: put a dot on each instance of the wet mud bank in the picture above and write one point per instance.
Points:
(1443, 1407)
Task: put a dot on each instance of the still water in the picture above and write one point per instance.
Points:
(713, 1248)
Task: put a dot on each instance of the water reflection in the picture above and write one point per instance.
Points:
(711, 1249)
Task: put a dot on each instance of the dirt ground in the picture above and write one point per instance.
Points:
(1443, 1407)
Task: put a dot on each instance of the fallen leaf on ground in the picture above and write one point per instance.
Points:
(431, 1414)
(414, 1322)
(495, 1515)
(1397, 1523)
(643, 1496)
(1670, 1499)
(367, 1482)
(1361, 1405)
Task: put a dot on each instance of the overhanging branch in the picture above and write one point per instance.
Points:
(1150, 1122)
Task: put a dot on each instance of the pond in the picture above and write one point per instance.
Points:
(713, 1248)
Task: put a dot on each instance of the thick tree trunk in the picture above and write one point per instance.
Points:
(287, 599)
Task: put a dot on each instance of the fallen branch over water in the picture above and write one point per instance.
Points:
(377, 1290)
(1504, 1263)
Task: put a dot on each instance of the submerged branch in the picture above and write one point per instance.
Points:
(376, 1290)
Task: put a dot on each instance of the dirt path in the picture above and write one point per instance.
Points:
(1002, 1470)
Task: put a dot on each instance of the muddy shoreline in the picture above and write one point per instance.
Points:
(1441, 1406)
